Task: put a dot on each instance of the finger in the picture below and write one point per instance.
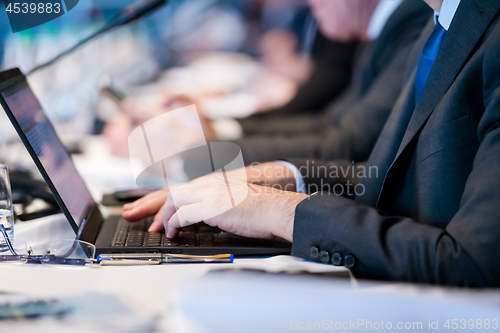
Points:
(146, 198)
(155, 197)
(146, 208)
(157, 224)
(136, 202)
(169, 209)
(184, 195)
(185, 215)
(141, 212)
(128, 206)
(172, 226)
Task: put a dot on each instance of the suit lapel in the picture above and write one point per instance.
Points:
(455, 50)
(407, 118)
(385, 149)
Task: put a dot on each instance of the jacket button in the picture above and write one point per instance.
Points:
(337, 259)
(314, 252)
(324, 257)
(349, 261)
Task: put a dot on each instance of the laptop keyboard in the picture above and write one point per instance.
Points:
(136, 235)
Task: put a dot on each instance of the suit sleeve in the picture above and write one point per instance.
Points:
(385, 247)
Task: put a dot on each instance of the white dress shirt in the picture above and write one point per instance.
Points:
(380, 17)
(447, 13)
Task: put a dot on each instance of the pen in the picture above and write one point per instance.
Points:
(128, 262)
(117, 259)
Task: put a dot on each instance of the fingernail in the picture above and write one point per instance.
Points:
(153, 227)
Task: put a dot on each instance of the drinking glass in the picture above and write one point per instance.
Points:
(6, 212)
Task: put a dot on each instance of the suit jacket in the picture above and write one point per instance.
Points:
(432, 215)
(331, 75)
(376, 86)
(333, 68)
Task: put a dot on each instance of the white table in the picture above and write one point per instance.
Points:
(149, 289)
(204, 298)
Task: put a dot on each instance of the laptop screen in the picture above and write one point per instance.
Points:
(48, 148)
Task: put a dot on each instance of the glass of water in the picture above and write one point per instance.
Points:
(6, 212)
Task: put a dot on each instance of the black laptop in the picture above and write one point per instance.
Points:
(112, 234)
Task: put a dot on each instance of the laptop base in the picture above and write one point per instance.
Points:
(120, 236)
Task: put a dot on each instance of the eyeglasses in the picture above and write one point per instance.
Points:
(64, 252)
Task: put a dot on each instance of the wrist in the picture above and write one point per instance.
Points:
(287, 204)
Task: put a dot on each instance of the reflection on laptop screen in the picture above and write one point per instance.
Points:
(49, 149)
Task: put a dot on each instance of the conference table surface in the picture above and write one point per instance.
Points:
(277, 294)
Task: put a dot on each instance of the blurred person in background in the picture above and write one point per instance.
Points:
(343, 23)
(389, 35)
(388, 30)
(361, 112)
(427, 207)
(340, 131)
(197, 27)
(233, 85)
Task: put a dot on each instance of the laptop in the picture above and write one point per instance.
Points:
(112, 234)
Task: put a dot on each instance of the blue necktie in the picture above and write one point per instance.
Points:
(427, 59)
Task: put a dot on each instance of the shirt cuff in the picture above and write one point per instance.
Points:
(300, 185)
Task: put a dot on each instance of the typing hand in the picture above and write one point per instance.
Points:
(270, 174)
(260, 212)
(149, 205)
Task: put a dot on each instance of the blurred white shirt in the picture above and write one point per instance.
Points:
(380, 17)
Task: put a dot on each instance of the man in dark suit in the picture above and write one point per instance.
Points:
(378, 81)
(430, 211)
(341, 131)
(331, 74)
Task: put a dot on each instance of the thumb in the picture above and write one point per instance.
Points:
(184, 216)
